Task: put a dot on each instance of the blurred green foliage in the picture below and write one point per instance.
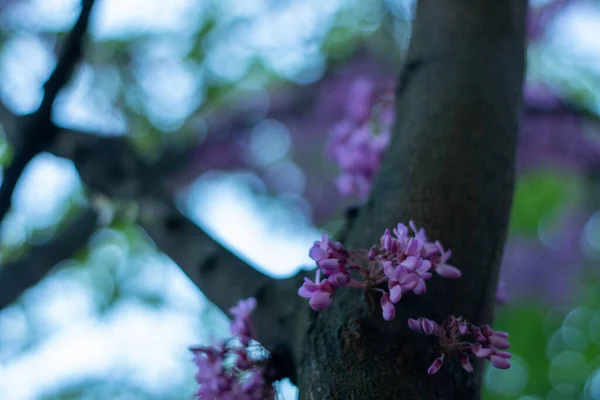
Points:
(539, 193)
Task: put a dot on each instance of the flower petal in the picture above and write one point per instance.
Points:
(448, 271)
(320, 301)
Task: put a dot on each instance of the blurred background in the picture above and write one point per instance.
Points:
(249, 91)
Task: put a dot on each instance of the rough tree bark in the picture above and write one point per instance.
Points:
(450, 168)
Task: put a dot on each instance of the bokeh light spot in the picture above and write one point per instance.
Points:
(270, 142)
(592, 387)
(569, 367)
(563, 392)
(594, 328)
(591, 231)
(566, 338)
(509, 382)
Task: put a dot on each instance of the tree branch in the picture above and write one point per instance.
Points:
(112, 167)
(37, 130)
(223, 277)
(450, 168)
(25, 272)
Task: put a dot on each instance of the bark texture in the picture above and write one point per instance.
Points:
(450, 168)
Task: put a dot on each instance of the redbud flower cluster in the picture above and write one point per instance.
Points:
(227, 371)
(458, 336)
(358, 141)
(402, 261)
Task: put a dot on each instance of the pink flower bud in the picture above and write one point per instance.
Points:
(466, 364)
(415, 325)
(421, 288)
(499, 343)
(329, 265)
(409, 282)
(428, 326)
(483, 352)
(414, 246)
(320, 300)
(487, 330)
(339, 279)
(396, 293)
(388, 242)
(501, 334)
(316, 252)
(499, 362)
(401, 230)
(373, 252)
(410, 263)
(447, 271)
(503, 354)
(389, 311)
(437, 364)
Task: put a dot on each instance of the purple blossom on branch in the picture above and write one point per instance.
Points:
(401, 261)
(553, 135)
(241, 324)
(227, 371)
(358, 141)
(459, 336)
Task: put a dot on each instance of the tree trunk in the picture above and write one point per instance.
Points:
(450, 168)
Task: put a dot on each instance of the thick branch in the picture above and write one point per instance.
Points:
(450, 167)
(111, 167)
(222, 276)
(37, 130)
(23, 273)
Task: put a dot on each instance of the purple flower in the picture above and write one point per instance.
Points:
(244, 308)
(428, 326)
(358, 141)
(389, 311)
(436, 365)
(241, 324)
(415, 325)
(489, 342)
(395, 291)
(465, 362)
(404, 262)
(388, 242)
(499, 362)
(401, 280)
(455, 335)
(339, 278)
(319, 294)
(447, 271)
(359, 99)
(329, 255)
(247, 378)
